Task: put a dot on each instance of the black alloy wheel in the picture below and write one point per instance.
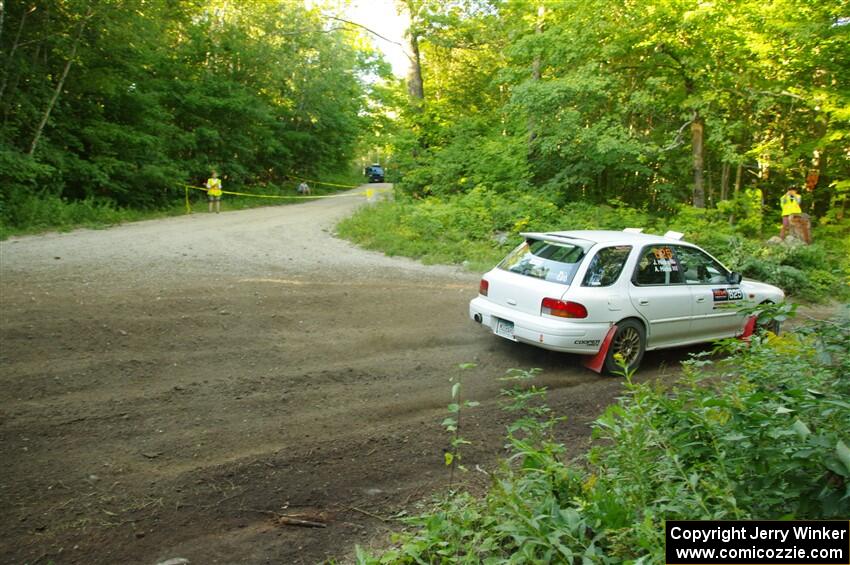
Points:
(630, 343)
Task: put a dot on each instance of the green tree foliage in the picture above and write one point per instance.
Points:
(642, 101)
(138, 96)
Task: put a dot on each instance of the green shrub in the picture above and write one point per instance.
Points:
(474, 155)
(766, 443)
(745, 208)
(822, 284)
(35, 213)
(792, 280)
(806, 257)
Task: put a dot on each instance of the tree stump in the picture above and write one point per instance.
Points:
(801, 228)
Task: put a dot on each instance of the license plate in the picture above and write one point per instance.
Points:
(504, 328)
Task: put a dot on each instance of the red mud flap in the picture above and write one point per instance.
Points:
(749, 328)
(596, 362)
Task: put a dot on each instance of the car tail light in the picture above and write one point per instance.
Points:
(563, 309)
(483, 287)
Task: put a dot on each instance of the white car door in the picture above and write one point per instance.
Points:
(717, 303)
(657, 291)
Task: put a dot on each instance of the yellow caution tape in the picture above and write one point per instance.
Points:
(325, 183)
(276, 196)
(369, 193)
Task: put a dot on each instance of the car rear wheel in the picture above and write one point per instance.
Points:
(630, 343)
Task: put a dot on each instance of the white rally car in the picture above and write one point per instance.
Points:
(600, 293)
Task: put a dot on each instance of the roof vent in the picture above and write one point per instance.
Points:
(674, 235)
(633, 230)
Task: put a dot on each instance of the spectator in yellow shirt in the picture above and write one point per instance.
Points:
(790, 203)
(214, 192)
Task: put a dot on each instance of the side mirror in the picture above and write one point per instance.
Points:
(734, 278)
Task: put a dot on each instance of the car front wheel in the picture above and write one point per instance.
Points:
(630, 343)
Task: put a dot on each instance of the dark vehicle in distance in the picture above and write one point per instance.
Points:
(375, 173)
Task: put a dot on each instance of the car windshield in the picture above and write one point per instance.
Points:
(548, 260)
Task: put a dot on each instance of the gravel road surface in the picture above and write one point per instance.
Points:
(172, 388)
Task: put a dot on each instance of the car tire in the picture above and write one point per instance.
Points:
(630, 341)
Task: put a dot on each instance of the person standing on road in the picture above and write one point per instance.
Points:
(214, 192)
(790, 203)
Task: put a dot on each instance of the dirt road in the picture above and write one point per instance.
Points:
(170, 388)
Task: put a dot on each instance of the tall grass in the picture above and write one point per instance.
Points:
(35, 214)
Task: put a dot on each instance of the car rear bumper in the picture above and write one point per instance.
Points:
(568, 336)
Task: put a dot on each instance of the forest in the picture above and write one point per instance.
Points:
(646, 104)
(111, 105)
(652, 103)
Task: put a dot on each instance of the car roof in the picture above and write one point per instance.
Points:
(604, 236)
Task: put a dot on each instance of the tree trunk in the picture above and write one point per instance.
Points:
(697, 133)
(415, 85)
(59, 86)
(538, 30)
(535, 68)
(14, 48)
(725, 171)
(739, 177)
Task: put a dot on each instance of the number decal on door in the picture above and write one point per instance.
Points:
(727, 294)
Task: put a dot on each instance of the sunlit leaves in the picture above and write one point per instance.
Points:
(606, 112)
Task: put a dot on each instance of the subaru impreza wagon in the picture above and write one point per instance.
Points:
(607, 293)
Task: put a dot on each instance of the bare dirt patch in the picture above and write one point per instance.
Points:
(172, 388)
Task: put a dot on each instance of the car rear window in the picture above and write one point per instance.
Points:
(548, 260)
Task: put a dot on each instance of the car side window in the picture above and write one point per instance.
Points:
(658, 265)
(606, 266)
(699, 268)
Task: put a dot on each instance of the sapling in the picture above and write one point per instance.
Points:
(452, 425)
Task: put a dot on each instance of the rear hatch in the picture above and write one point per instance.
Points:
(536, 269)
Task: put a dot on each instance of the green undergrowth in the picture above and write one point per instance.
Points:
(52, 213)
(31, 214)
(762, 434)
(479, 227)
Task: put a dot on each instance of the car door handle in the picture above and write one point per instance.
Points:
(701, 299)
(643, 301)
